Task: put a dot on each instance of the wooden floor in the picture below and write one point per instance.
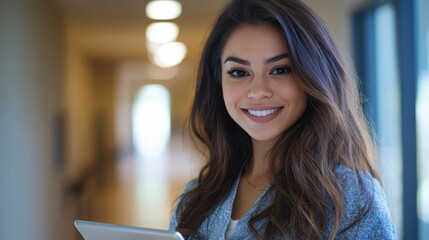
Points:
(141, 191)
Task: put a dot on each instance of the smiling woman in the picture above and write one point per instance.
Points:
(261, 94)
(289, 154)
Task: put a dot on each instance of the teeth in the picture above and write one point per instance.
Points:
(262, 113)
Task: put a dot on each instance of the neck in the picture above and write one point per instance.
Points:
(259, 165)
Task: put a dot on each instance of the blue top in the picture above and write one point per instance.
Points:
(377, 224)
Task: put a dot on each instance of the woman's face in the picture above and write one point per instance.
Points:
(260, 90)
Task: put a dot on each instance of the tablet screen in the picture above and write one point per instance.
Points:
(104, 231)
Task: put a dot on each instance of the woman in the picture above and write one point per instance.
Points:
(278, 115)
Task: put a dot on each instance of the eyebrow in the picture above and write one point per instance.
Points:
(237, 60)
(277, 58)
(245, 62)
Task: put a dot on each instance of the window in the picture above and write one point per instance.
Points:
(388, 116)
(391, 52)
(422, 111)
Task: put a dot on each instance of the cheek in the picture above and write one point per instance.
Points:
(230, 97)
(298, 95)
(228, 92)
(301, 102)
(293, 91)
(293, 94)
(303, 105)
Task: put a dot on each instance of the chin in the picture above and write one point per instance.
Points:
(265, 137)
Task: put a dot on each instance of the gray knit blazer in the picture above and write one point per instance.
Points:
(377, 224)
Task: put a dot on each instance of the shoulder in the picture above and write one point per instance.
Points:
(190, 185)
(363, 193)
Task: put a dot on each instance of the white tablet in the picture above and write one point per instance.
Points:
(104, 231)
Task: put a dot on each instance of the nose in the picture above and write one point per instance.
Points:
(259, 89)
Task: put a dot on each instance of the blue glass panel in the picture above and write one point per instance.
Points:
(422, 111)
(388, 114)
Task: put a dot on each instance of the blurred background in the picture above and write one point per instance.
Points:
(94, 96)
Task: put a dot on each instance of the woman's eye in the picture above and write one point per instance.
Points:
(237, 73)
(281, 70)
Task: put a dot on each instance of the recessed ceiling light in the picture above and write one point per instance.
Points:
(162, 32)
(170, 54)
(163, 9)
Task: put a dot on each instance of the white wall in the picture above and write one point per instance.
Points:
(30, 73)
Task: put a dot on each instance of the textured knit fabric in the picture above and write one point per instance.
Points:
(377, 224)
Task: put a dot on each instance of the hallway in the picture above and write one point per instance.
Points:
(70, 74)
(139, 191)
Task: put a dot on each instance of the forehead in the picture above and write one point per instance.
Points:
(255, 41)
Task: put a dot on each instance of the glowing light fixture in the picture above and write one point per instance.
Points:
(170, 54)
(163, 9)
(152, 46)
(151, 121)
(162, 32)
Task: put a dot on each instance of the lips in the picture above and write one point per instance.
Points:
(262, 115)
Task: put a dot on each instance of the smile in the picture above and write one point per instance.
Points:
(262, 113)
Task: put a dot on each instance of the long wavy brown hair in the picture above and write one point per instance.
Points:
(333, 130)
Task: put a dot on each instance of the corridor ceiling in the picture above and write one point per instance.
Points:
(115, 29)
